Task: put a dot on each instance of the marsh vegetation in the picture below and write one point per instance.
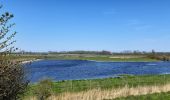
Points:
(108, 88)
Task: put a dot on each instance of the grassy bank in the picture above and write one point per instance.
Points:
(98, 94)
(106, 84)
(107, 58)
(114, 58)
(108, 88)
(156, 92)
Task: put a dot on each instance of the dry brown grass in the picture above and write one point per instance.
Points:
(98, 94)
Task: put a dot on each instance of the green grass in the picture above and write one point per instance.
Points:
(102, 58)
(121, 58)
(105, 84)
(156, 96)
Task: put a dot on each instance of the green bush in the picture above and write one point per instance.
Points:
(44, 89)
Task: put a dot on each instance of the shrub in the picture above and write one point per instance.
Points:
(43, 90)
(12, 75)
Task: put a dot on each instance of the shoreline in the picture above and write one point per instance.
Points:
(30, 61)
(122, 61)
(103, 60)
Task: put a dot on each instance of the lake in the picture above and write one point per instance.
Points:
(81, 69)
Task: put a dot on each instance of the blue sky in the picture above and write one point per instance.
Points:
(115, 25)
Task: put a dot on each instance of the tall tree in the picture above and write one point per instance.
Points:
(12, 75)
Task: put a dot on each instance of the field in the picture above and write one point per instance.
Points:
(114, 58)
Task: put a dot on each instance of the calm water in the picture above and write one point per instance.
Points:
(78, 69)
